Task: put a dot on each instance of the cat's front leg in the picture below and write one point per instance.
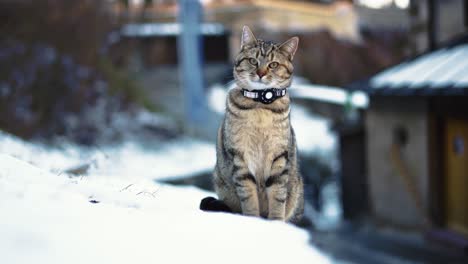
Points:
(246, 188)
(276, 188)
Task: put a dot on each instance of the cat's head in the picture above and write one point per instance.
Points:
(262, 65)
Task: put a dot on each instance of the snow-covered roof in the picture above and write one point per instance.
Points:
(168, 29)
(441, 72)
(328, 94)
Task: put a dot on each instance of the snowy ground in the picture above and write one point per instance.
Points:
(118, 214)
(115, 211)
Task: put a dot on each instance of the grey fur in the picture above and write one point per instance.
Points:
(256, 170)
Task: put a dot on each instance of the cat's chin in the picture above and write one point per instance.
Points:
(258, 86)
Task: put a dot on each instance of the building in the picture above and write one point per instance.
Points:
(406, 163)
(415, 145)
(276, 16)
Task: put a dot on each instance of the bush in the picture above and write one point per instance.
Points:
(54, 67)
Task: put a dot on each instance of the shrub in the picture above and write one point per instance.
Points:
(54, 67)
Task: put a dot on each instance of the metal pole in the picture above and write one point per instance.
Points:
(190, 52)
(433, 27)
(465, 13)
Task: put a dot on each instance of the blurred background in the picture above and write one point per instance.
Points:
(379, 102)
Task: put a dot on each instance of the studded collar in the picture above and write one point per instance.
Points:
(266, 96)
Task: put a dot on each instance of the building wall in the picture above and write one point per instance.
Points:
(340, 19)
(451, 20)
(390, 198)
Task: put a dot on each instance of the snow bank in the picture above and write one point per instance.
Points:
(313, 133)
(50, 218)
(131, 160)
(332, 95)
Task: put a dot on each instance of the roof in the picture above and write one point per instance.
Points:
(441, 72)
(168, 29)
(328, 94)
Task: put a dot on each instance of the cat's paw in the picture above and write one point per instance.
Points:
(277, 217)
(214, 205)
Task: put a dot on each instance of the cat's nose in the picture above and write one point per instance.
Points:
(261, 73)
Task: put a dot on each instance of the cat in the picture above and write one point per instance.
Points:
(256, 170)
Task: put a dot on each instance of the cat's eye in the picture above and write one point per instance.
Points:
(273, 65)
(253, 61)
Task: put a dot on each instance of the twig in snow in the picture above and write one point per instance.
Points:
(128, 186)
(157, 190)
(150, 193)
(145, 192)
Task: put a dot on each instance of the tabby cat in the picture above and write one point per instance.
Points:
(256, 171)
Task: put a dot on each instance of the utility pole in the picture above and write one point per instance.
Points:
(189, 45)
(433, 27)
(465, 12)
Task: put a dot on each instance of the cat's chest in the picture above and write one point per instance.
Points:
(260, 125)
(258, 119)
(259, 137)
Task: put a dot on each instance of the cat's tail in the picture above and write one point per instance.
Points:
(211, 204)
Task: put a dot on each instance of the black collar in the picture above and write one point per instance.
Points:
(266, 96)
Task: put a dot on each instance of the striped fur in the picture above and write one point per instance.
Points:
(256, 171)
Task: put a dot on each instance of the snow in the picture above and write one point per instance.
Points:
(129, 159)
(119, 214)
(167, 29)
(441, 68)
(329, 218)
(330, 94)
(313, 133)
(217, 98)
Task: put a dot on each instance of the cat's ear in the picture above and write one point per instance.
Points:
(289, 47)
(248, 37)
